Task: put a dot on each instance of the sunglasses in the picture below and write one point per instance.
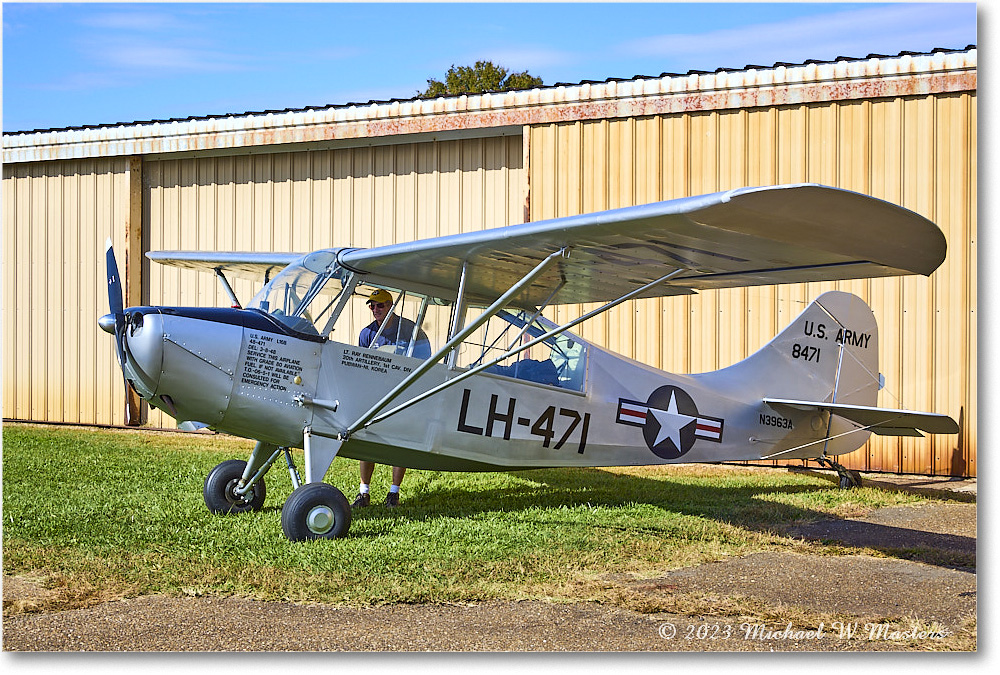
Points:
(380, 305)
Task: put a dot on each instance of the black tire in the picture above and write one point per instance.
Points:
(220, 483)
(316, 511)
(851, 480)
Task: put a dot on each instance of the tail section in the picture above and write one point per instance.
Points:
(824, 368)
(827, 355)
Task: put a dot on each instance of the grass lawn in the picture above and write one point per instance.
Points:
(113, 513)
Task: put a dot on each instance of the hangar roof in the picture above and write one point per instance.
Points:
(398, 120)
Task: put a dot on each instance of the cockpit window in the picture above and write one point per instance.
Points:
(559, 361)
(310, 295)
(412, 323)
(304, 295)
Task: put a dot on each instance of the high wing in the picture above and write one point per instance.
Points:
(248, 265)
(882, 421)
(743, 237)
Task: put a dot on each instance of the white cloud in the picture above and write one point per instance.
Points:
(136, 55)
(138, 20)
(133, 39)
(855, 33)
(82, 81)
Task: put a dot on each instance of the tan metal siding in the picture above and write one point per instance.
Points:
(900, 128)
(301, 201)
(58, 365)
(919, 152)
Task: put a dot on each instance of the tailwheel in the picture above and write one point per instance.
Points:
(850, 479)
(220, 486)
(847, 478)
(316, 511)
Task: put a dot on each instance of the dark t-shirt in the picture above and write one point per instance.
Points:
(398, 334)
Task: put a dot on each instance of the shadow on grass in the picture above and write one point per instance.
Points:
(944, 550)
(739, 506)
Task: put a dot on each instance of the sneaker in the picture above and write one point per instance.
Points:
(392, 499)
(363, 499)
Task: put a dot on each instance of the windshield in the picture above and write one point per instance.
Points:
(301, 296)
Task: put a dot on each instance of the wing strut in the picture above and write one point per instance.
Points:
(227, 288)
(456, 340)
(520, 348)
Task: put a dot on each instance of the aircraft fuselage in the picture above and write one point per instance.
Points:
(240, 372)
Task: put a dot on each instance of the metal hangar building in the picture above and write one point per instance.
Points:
(901, 128)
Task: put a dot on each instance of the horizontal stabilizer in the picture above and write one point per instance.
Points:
(882, 421)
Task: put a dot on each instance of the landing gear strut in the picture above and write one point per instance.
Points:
(849, 478)
(315, 510)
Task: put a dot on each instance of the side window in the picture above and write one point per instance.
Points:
(570, 358)
(559, 361)
(359, 325)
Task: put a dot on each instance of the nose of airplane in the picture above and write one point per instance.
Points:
(142, 342)
(138, 335)
(107, 323)
(181, 360)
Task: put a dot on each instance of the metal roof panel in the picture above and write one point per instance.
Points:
(782, 83)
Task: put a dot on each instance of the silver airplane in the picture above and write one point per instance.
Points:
(493, 385)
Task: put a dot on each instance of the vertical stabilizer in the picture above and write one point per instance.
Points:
(829, 353)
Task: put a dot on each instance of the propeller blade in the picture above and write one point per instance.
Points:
(133, 411)
(117, 307)
(114, 282)
(115, 303)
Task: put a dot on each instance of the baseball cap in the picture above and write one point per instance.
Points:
(380, 295)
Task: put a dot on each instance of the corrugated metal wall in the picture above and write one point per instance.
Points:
(918, 152)
(301, 201)
(58, 365)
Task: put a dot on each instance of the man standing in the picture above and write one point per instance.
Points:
(398, 331)
(388, 329)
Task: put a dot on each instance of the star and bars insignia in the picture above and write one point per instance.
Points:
(670, 421)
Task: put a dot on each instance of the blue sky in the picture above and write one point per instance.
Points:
(84, 64)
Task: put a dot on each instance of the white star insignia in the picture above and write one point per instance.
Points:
(671, 423)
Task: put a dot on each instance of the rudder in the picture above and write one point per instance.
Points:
(829, 353)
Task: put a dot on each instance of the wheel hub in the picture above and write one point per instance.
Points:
(320, 519)
(234, 498)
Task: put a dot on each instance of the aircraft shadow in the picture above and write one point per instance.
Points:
(738, 506)
(945, 550)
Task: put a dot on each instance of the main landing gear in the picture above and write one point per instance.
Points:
(316, 511)
(849, 478)
(220, 488)
(313, 510)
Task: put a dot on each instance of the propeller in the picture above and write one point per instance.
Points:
(116, 322)
(115, 303)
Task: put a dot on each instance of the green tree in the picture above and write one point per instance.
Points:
(482, 77)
